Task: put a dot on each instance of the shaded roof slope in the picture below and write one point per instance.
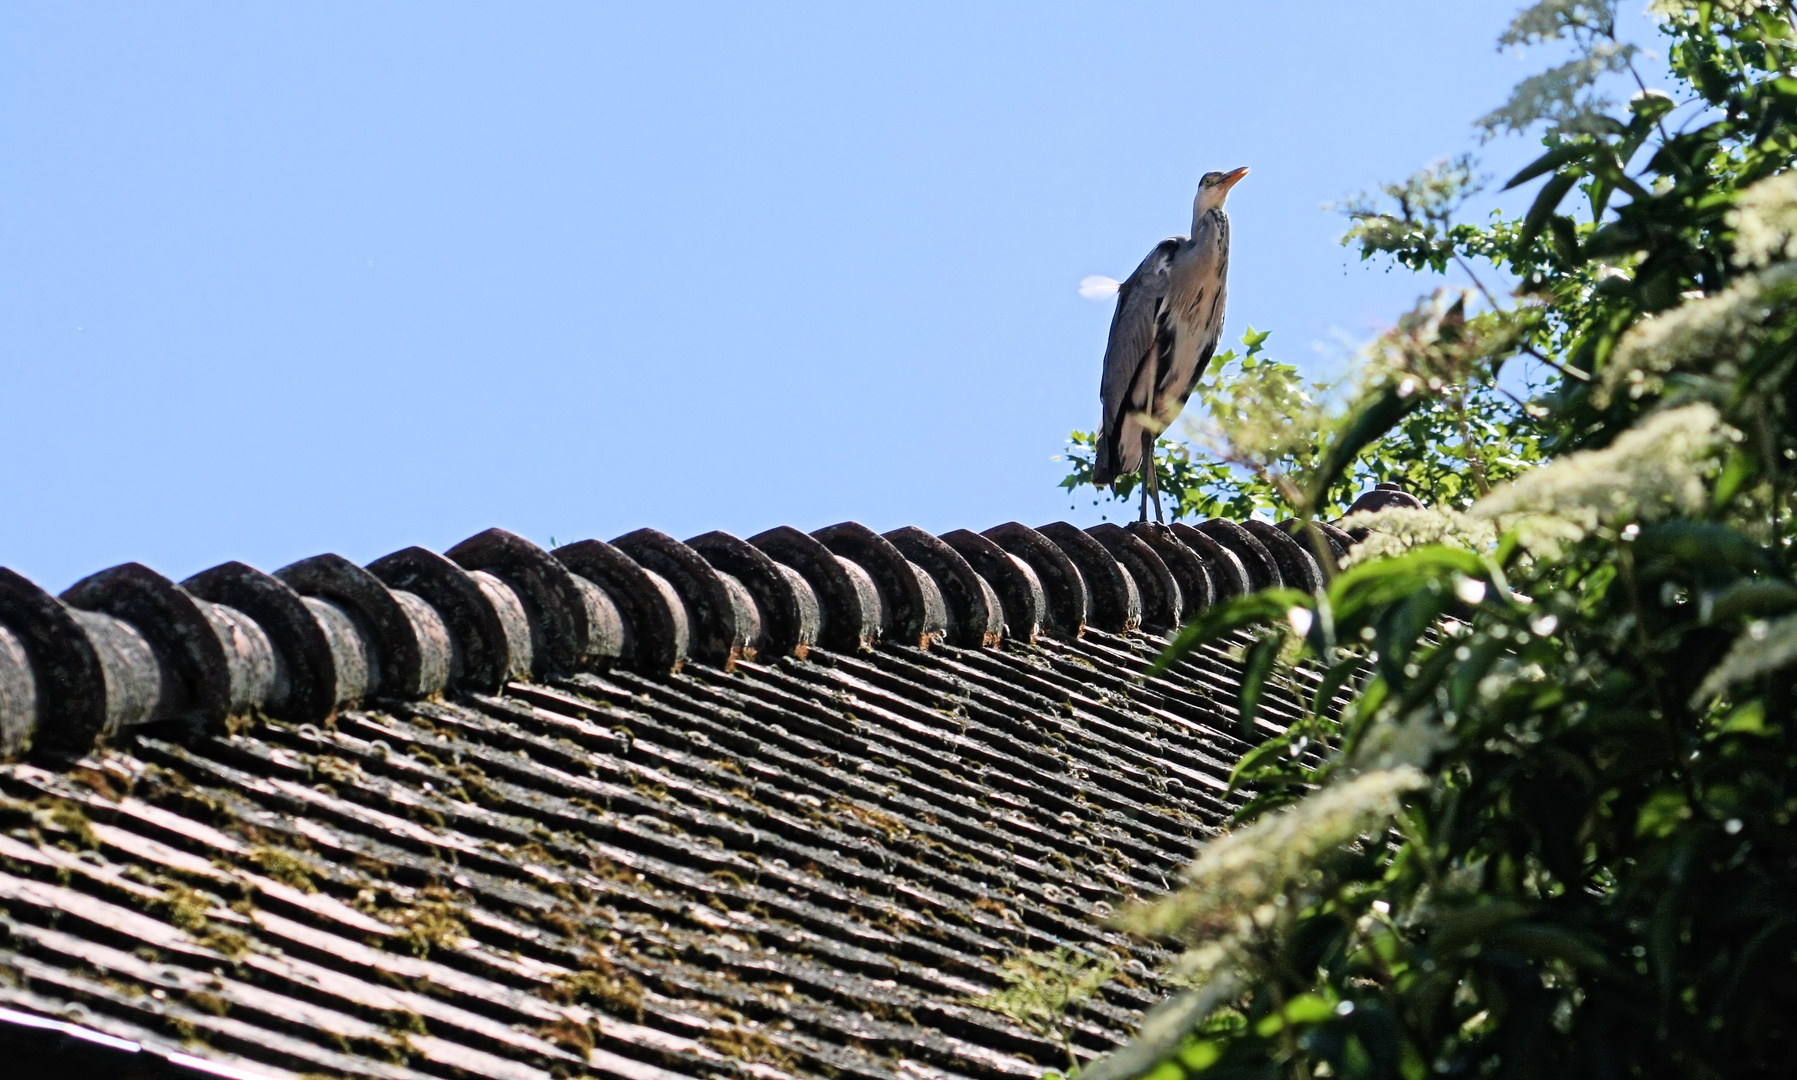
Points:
(640, 809)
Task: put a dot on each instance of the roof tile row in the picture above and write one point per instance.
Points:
(127, 647)
(642, 809)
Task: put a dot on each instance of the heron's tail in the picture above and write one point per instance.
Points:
(1105, 466)
(1117, 451)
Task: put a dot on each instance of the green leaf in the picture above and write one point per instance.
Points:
(1303, 1009)
(1265, 606)
(1384, 581)
(1748, 718)
(1548, 162)
(1200, 1054)
(1566, 237)
(1704, 543)
(1166, 1027)
(1251, 762)
(1255, 668)
(1662, 813)
(1546, 941)
(1333, 680)
(1459, 926)
(1737, 471)
(1463, 684)
(1374, 418)
(1749, 596)
(1544, 206)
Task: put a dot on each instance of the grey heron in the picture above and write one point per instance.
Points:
(1168, 321)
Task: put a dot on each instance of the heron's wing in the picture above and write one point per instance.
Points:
(1133, 329)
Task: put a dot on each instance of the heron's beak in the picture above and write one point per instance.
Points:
(1233, 177)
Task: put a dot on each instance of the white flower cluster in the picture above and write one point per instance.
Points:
(1550, 20)
(1762, 648)
(1765, 221)
(1651, 471)
(1563, 96)
(1239, 879)
(1398, 529)
(1710, 332)
(1732, 9)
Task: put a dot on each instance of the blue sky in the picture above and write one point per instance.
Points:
(278, 279)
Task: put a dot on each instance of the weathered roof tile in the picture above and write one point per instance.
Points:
(643, 809)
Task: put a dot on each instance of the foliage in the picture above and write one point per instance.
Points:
(1269, 395)
(1252, 434)
(1551, 834)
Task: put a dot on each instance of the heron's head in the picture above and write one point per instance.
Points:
(1214, 187)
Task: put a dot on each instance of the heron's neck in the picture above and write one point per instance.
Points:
(1200, 212)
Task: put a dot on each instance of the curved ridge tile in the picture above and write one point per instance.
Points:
(1022, 602)
(484, 617)
(72, 706)
(574, 624)
(851, 613)
(1297, 567)
(1187, 567)
(200, 648)
(1069, 601)
(975, 614)
(306, 691)
(789, 612)
(1115, 604)
(1256, 560)
(1228, 575)
(1335, 540)
(914, 604)
(714, 614)
(411, 653)
(655, 633)
(1386, 496)
(1161, 598)
(18, 695)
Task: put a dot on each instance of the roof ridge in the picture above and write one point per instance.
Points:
(127, 647)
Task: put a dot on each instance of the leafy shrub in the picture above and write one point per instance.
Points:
(1551, 835)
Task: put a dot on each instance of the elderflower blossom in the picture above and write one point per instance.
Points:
(1239, 878)
(1549, 20)
(1762, 648)
(1711, 332)
(1733, 9)
(1652, 470)
(1562, 95)
(1397, 529)
(1765, 221)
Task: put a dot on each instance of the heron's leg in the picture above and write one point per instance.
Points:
(1150, 482)
(1154, 490)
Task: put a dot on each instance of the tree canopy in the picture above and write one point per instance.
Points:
(1551, 834)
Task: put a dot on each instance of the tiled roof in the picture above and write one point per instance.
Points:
(640, 809)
